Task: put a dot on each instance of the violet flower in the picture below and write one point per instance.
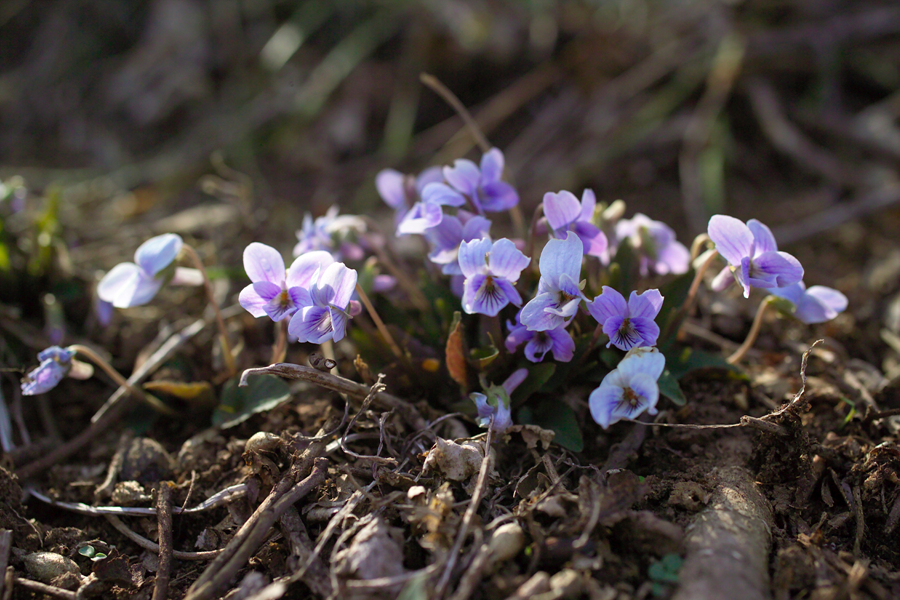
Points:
(328, 232)
(322, 313)
(56, 363)
(659, 253)
(565, 213)
(401, 191)
(496, 402)
(274, 291)
(559, 292)
(539, 343)
(491, 271)
(132, 284)
(630, 389)
(814, 305)
(449, 234)
(752, 255)
(628, 324)
(482, 187)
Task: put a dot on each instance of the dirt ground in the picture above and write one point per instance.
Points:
(226, 122)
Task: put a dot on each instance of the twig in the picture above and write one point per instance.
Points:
(342, 385)
(294, 530)
(469, 515)
(164, 528)
(378, 386)
(227, 495)
(450, 98)
(860, 521)
(43, 588)
(220, 322)
(105, 489)
(153, 546)
(5, 547)
(220, 572)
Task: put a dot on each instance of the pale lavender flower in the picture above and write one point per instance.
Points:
(449, 234)
(814, 305)
(328, 233)
(274, 291)
(630, 389)
(401, 191)
(480, 186)
(559, 292)
(496, 402)
(491, 271)
(428, 212)
(323, 313)
(658, 251)
(565, 213)
(132, 284)
(630, 324)
(56, 363)
(539, 343)
(752, 255)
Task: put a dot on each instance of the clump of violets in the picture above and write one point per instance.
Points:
(401, 192)
(630, 324)
(56, 364)
(752, 255)
(658, 252)
(447, 236)
(133, 284)
(559, 290)
(330, 233)
(323, 311)
(630, 389)
(482, 188)
(491, 270)
(539, 343)
(565, 213)
(817, 304)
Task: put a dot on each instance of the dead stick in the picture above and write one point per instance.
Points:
(153, 546)
(43, 588)
(5, 547)
(164, 527)
(220, 577)
(860, 521)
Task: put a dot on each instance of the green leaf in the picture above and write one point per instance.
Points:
(87, 551)
(481, 358)
(668, 387)
(558, 417)
(538, 375)
(262, 393)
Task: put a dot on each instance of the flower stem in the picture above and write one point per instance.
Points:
(450, 98)
(107, 368)
(220, 322)
(532, 229)
(379, 324)
(279, 350)
(697, 245)
(698, 278)
(754, 332)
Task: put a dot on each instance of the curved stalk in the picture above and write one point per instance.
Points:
(754, 332)
(107, 368)
(379, 324)
(220, 322)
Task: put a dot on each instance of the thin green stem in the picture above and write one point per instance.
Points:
(107, 368)
(754, 332)
(279, 350)
(220, 322)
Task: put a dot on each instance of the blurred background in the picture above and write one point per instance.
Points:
(227, 120)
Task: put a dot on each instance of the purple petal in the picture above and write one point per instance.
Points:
(588, 203)
(338, 324)
(518, 334)
(561, 209)
(446, 235)
(254, 302)
(538, 346)
(645, 305)
(763, 240)
(820, 304)
(672, 258)
(263, 263)
(492, 165)
(605, 398)
(158, 252)
(476, 227)
(649, 361)
(621, 334)
(429, 175)
(515, 380)
(647, 329)
(563, 344)
(610, 303)
(45, 376)
(561, 257)
(506, 260)
(498, 196)
(463, 175)
(593, 240)
(422, 216)
(305, 266)
(391, 188)
(443, 194)
(311, 324)
(473, 256)
(733, 239)
(535, 316)
(128, 285)
(784, 268)
(334, 286)
(280, 307)
(509, 291)
(721, 281)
